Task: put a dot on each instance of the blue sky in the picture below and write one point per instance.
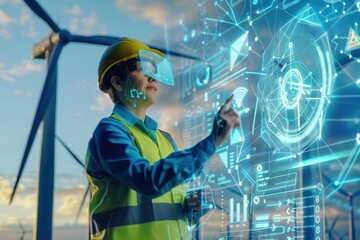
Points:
(80, 104)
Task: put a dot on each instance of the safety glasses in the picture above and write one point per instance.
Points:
(156, 67)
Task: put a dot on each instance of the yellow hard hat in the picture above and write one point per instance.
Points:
(121, 51)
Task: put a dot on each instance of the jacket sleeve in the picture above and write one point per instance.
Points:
(113, 153)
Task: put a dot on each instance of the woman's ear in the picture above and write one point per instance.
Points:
(116, 83)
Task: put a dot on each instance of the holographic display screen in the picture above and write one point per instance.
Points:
(291, 170)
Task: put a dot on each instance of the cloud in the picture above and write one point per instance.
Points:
(5, 191)
(24, 20)
(4, 18)
(169, 117)
(25, 17)
(74, 10)
(12, 223)
(84, 22)
(30, 32)
(25, 67)
(91, 24)
(27, 202)
(157, 11)
(83, 84)
(4, 73)
(13, 2)
(67, 179)
(102, 103)
(66, 202)
(157, 14)
(25, 196)
(17, 92)
(69, 207)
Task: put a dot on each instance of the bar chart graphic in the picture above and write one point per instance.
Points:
(235, 212)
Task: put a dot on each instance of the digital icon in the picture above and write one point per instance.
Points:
(239, 95)
(259, 168)
(239, 49)
(236, 136)
(203, 76)
(224, 158)
(256, 200)
(353, 41)
(135, 93)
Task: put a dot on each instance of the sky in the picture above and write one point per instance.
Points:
(80, 104)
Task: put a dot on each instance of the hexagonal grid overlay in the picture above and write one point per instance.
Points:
(294, 93)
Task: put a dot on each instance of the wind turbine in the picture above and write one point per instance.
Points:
(23, 232)
(350, 196)
(330, 231)
(77, 159)
(50, 49)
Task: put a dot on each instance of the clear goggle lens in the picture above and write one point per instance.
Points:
(156, 67)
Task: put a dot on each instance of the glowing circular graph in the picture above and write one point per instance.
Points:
(298, 78)
(291, 88)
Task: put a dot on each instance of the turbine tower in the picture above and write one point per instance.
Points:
(50, 49)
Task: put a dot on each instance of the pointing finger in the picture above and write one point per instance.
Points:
(226, 105)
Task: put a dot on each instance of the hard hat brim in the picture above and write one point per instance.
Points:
(135, 55)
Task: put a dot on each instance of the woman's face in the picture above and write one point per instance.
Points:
(140, 88)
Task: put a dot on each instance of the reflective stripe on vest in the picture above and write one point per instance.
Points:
(130, 215)
(118, 212)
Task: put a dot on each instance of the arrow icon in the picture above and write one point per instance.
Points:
(239, 48)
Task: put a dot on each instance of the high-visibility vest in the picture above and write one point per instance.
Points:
(119, 212)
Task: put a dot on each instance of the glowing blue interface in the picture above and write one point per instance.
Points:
(292, 170)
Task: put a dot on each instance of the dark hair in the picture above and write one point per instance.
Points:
(120, 70)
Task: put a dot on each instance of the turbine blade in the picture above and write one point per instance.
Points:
(82, 203)
(355, 194)
(334, 223)
(96, 39)
(21, 226)
(108, 40)
(176, 54)
(40, 111)
(70, 151)
(40, 12)
(326, 224)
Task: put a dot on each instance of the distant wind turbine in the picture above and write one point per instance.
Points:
(23, 232)
(50, 49)
(330, 230)
(77, 159)
(350, 196)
